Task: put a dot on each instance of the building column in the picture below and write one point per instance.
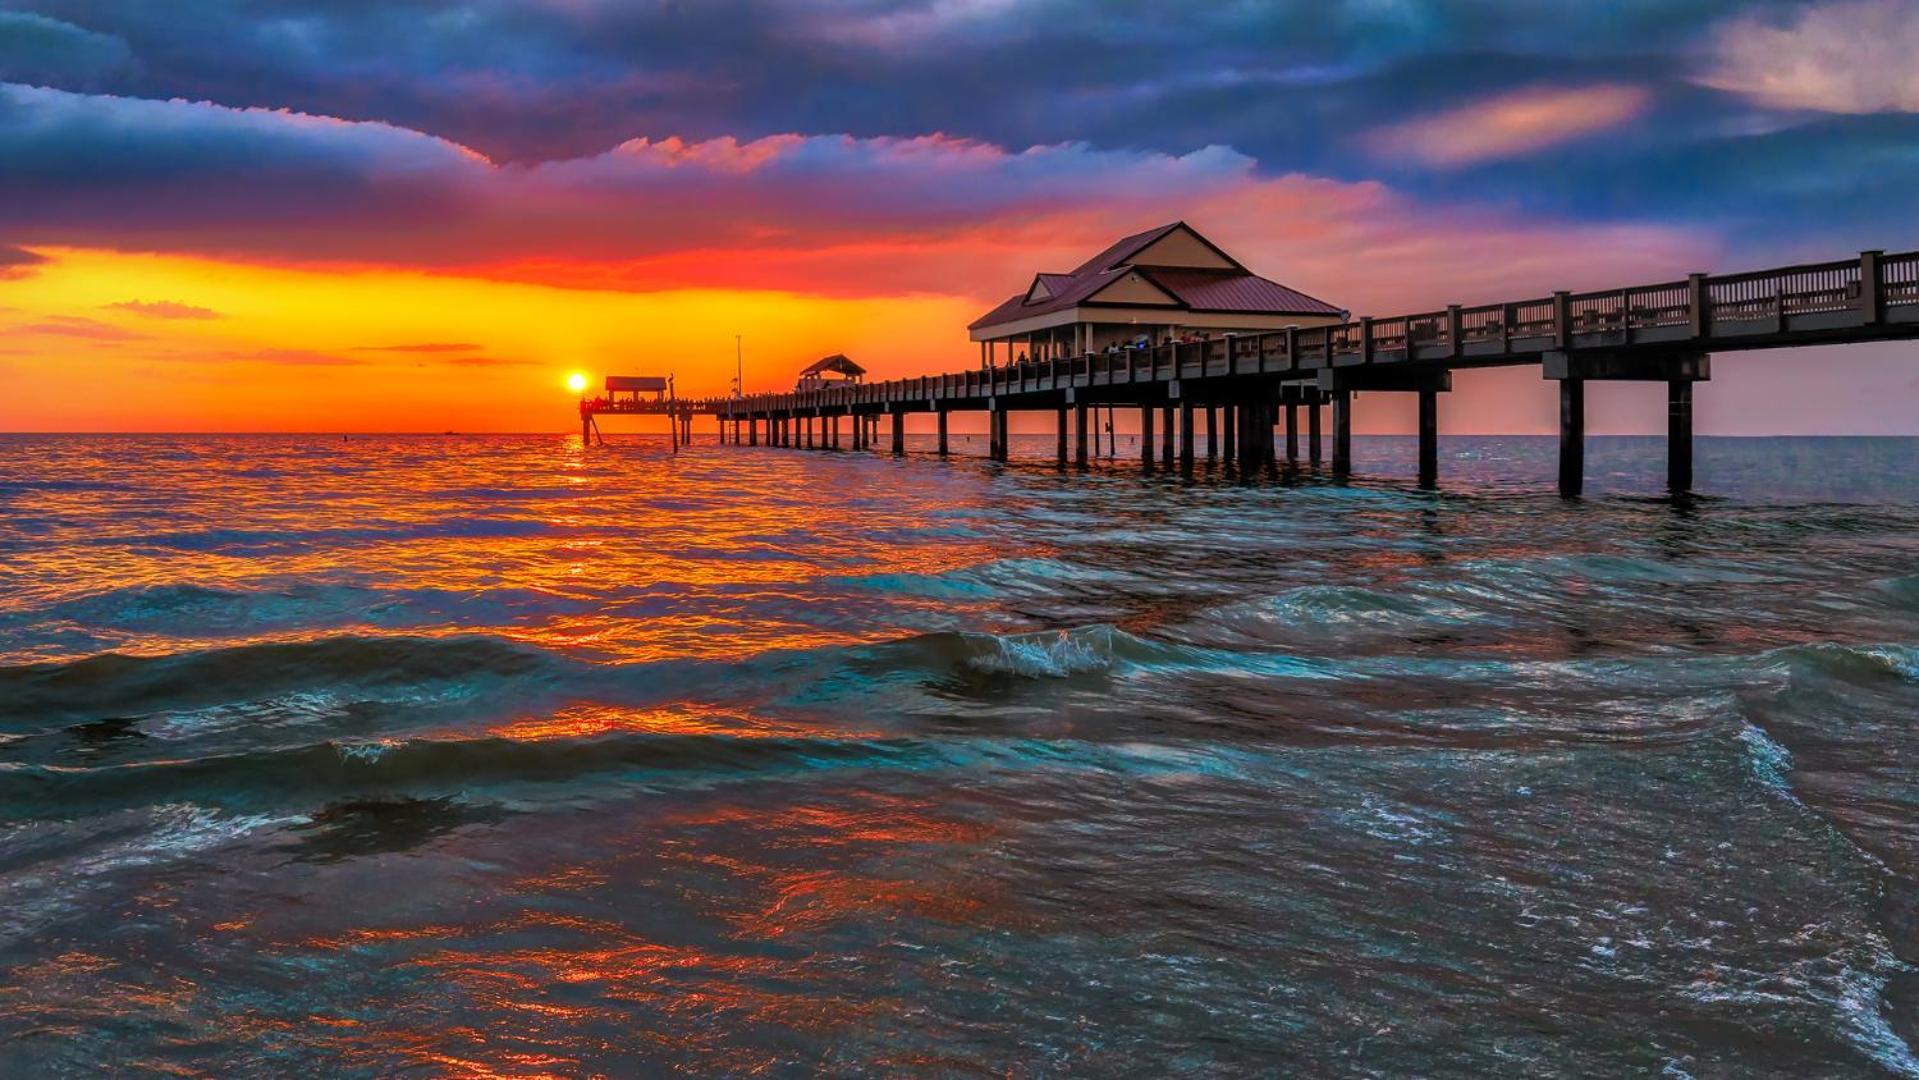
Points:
(1079, 434)
(1572, 437)
(942, 425)
(1679, 436)
(1429, 439)
(1146, 436)
(1342, 432)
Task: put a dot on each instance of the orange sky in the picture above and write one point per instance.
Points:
(384, 350)
(99, 341)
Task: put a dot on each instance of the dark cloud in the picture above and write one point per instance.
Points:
(18, 262)
(546, 89)
(530, 79)
(37, 49)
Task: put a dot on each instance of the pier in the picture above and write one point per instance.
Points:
(1250, 399)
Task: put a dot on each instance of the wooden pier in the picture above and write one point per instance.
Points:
(1243, 389)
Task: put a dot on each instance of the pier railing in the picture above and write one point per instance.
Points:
(1850, 299)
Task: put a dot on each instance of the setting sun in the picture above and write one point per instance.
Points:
(576, 382)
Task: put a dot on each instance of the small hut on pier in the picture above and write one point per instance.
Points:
(635, 385)
(828, 371)
(1165, 284)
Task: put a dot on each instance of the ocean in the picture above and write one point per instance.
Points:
(491, 756)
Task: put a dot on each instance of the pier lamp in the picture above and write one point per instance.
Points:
(576, 382)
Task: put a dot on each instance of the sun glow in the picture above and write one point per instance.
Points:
(282, 349)
(576, 382)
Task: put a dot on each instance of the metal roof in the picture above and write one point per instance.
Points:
(1236, 290)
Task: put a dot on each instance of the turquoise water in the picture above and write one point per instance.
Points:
(487, 756)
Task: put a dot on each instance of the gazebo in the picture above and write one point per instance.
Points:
(816, 374)
(1165, 284)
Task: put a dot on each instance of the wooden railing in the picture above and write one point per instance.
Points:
(1872, 289)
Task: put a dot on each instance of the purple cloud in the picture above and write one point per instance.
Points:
(18, 262)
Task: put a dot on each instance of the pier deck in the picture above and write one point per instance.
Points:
(1662, 332)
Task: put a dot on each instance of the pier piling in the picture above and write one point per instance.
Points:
(1429, 439)
(1679, 436)
(1572, 437)
(1342, 432)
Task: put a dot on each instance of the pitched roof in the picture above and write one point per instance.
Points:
(1236, 290)
(1227, 290)
(834, 363)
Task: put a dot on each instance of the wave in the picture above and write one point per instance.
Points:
(278, 780)
(115, 683)
(1864, 665)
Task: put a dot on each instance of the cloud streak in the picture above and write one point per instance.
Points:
(1509, 125)
(164, 309)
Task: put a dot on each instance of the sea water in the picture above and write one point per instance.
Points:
(494, 756)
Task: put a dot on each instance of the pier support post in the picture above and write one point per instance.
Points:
(1429, 439)
(1572, 437)
(1146, 436)
(1313, 441)
(996, 440)
(1292, 432)
(1229, 441)
(1186, 435)
(1212, 434)
(1079, 434)
(586, 432)
(1166, 438)
(899, 433)
(809, 432)
(1679, 436)
(942, 428)
(1678, 369)
(1342, 432)
(1060, 450)
(1247, 461)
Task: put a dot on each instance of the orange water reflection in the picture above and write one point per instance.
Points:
(710, 934)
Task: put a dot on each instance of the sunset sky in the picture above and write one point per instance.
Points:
(318, 215)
